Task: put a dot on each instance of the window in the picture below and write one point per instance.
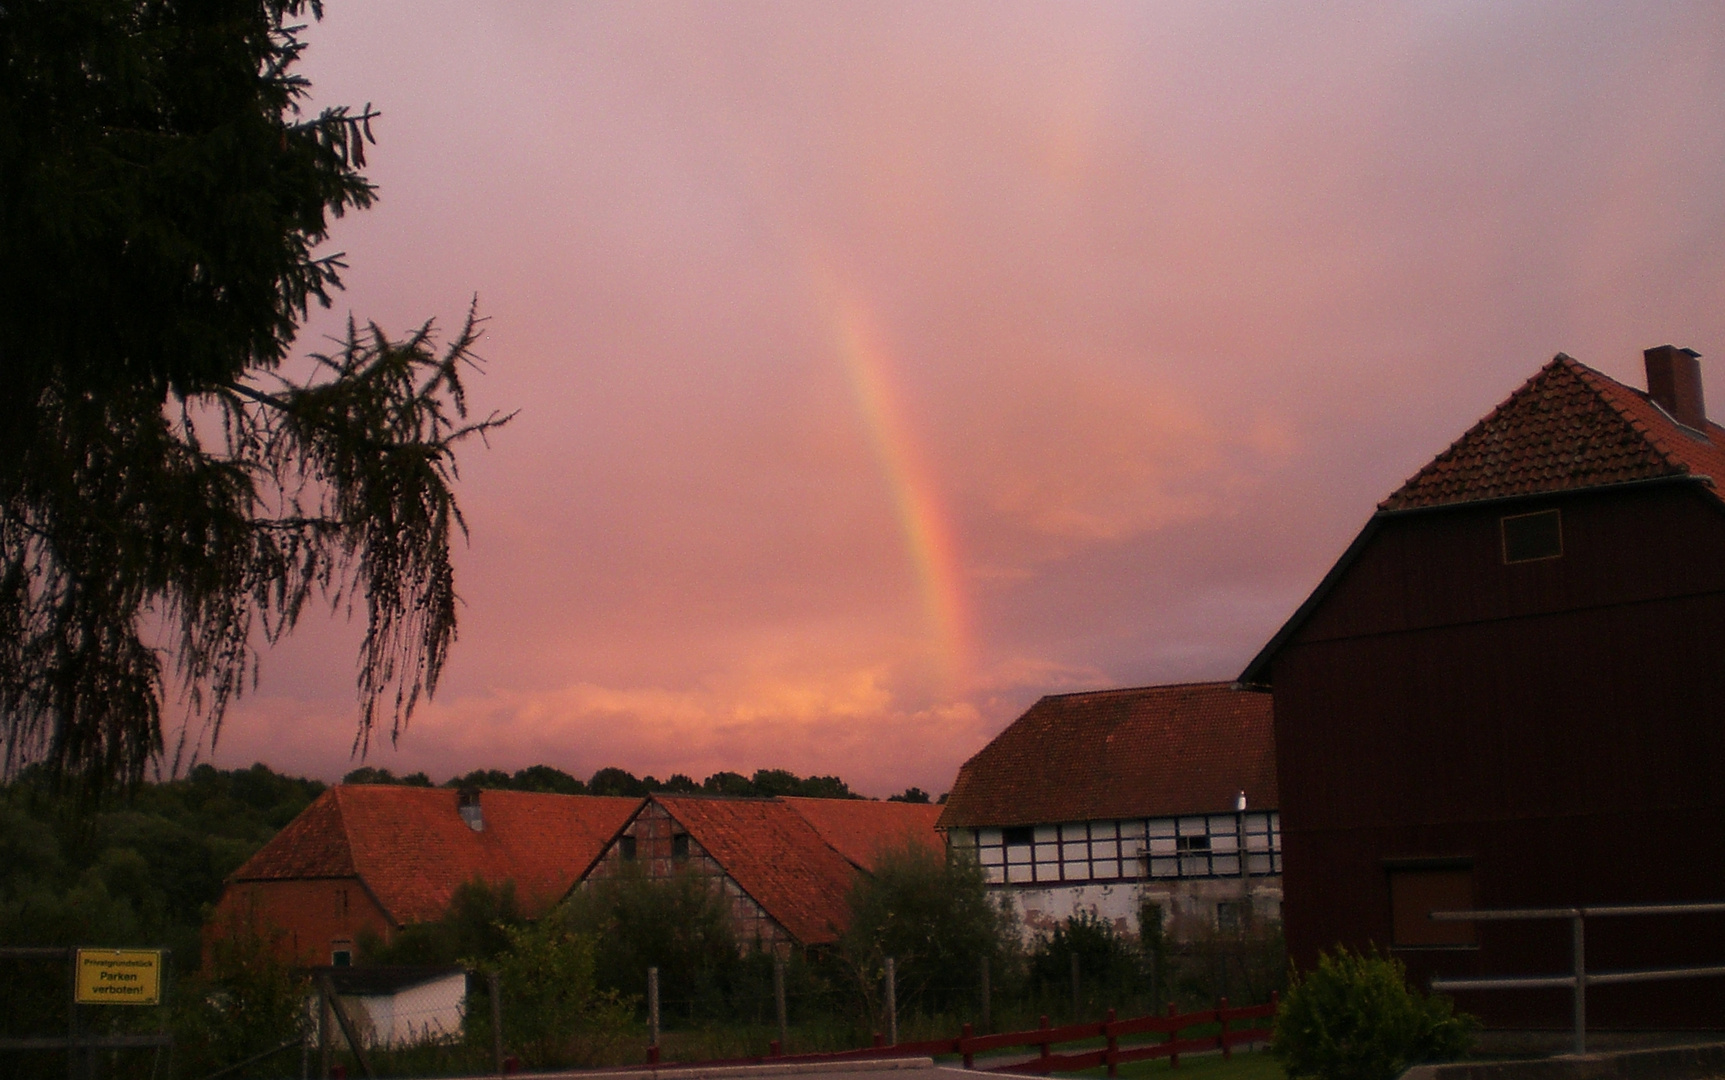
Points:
(342, 957)
(1531, 537)
(1017, 836)
(680, 847)
(1230, 916)
(626, 848)
(1192, 845)
(1419, 888)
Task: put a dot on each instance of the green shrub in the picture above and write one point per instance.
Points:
(1355, 1018)
(554, 1013)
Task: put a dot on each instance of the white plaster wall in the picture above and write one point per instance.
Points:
(428, 1012)
(1187, 905)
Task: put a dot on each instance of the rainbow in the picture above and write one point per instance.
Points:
(927, 529)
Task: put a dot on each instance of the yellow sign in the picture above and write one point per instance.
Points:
(119, 977)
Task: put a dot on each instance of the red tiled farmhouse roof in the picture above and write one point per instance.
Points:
(776, 856)
(412, 849)
(859, 829)
(1568, 427)
(1150, 752)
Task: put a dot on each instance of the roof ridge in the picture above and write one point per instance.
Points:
(1137, 689)
(1479, 425)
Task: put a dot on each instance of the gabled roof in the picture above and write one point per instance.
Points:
(1155, 751)
(412, 849)
(776, 856)
(1569, 427)
(859, 829)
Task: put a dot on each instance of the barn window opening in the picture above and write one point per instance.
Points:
(1230, 916)
(1417, 890)
(341, 958)
(626, 848)
(1017, 836)
(1192, 845)
(680, 847)
(1531, 537)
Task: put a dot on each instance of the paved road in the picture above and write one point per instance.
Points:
(889, 1069)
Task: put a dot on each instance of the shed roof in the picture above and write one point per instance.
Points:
(775, 855)
(1154, 751)
(411, 848)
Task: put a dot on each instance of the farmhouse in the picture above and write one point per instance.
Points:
(1510, 693)
(786, 863)
(1128, 805)
(366, 859)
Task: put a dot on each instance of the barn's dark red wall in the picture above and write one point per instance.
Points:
(1562, 723)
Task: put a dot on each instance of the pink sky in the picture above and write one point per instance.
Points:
(884, 367)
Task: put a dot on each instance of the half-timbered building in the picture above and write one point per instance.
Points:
(786, 864)
(1127, 805)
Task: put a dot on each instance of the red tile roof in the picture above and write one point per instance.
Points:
(859, 829)
(1566, 428)
(776, 856)
(412, 849)
(1150, 752)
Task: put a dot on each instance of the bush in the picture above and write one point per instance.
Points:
(680, 925)
(933, 916)
(1355, 1018)
(554, 1013)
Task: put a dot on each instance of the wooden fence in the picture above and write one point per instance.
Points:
(967, 1045)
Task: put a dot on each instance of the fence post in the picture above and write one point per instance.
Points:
(325, 1040)
(1222, 1017)
(494, 985)
(653, 1010)
(891, 1003)
(779, 1000)
(964, 1043)
(987, 999)
(1042, 1025)
(72, 1051)
(1113, 1045)
(1076, 1013)
(1173, 1037)
(1578, 942)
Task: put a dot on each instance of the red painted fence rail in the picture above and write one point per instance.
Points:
(1043, 1039)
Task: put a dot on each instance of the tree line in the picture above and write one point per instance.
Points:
(611, 780)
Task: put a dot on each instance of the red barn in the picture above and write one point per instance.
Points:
(368, 859)
(1510, 692)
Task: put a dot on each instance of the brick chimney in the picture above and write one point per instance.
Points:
(467, 805)
(1674, 383)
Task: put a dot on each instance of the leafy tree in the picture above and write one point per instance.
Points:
(614, 781)
(1107, 959)
(473, 929)
(545, 778)
(1354, 1017)
(728, 783)
(909, 795)
(246, 1003)
(554, 1013)
(495, 779)
(933, 916)
(162, 200)
(680, 925)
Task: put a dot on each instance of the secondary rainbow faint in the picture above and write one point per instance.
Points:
(927, 528)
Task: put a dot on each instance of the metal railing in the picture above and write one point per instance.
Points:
(1579, 978)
